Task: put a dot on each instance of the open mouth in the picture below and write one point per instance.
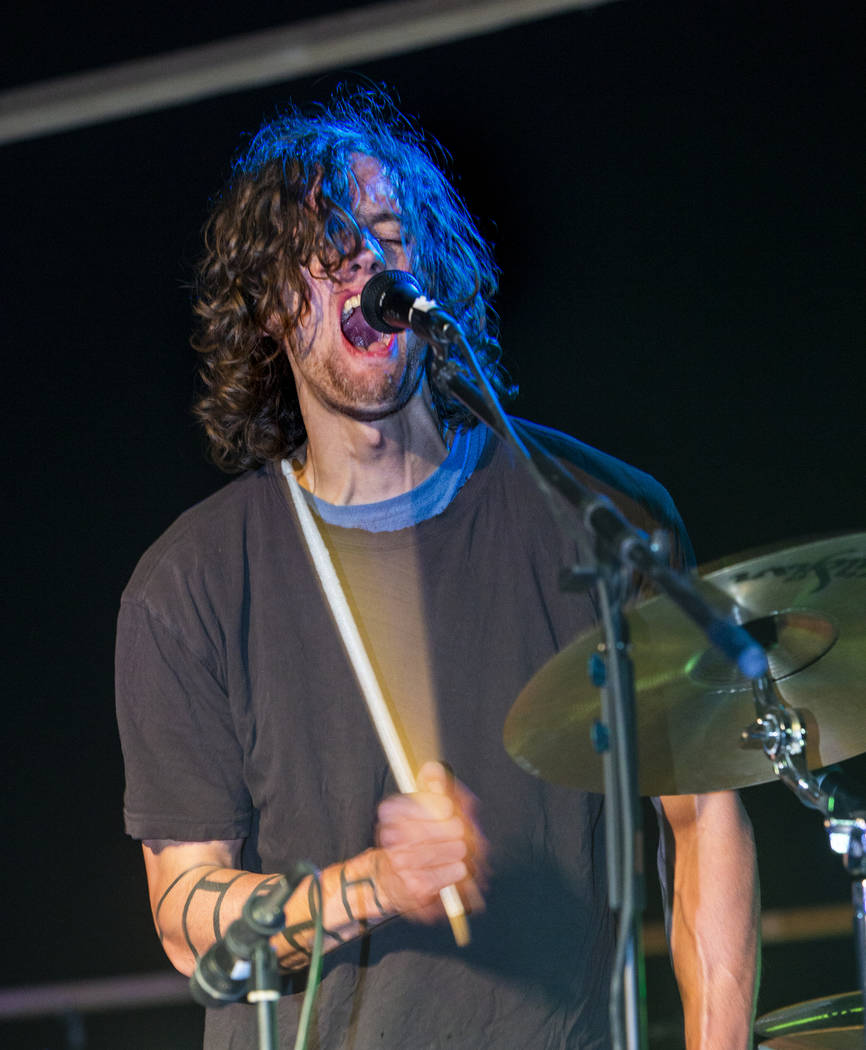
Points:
(355, 327)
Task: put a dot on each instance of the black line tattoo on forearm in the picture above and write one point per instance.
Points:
(208, 886)
(290, 936)
(346, 885)
(290, 933)
(217, 930)
(211, 868)
(265, 883)
(261, 888)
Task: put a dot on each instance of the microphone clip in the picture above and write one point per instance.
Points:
(243, 955)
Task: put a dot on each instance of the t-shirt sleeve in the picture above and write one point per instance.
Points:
(183, 759)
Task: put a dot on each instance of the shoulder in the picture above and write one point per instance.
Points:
(203, 541)
(640, 497)
(626, 480)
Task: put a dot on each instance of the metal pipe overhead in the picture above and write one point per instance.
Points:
(255, 59)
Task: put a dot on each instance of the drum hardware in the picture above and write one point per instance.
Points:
(826, 1039)
(833, 1022)
(781, 732)
(805, 605)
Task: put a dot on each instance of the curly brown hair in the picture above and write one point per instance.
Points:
(288, 203)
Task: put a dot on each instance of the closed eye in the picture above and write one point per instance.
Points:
(393, 249)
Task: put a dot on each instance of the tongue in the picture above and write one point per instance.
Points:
(358, 332)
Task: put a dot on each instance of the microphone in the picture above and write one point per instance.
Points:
(222, 975)
(392, 301)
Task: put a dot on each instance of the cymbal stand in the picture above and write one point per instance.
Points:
(781, 731)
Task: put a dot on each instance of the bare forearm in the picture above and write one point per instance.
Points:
(202, 901)
(352, 903)
(715, 920)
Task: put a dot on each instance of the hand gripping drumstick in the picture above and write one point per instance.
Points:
(360, 661)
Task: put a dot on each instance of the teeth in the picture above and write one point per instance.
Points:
(352, 303)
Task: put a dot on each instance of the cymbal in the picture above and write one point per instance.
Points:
(806, 604)
(813, 1015)
(828, 1039)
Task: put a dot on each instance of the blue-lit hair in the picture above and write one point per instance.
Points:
(289, 202)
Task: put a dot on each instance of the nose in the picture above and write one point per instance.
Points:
(369, 260)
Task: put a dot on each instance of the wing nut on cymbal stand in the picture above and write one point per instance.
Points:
(781, 732)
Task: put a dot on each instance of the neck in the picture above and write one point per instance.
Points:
(352, 461)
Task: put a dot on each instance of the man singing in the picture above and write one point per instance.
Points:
(246, 740)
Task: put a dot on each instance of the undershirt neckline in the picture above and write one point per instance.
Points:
(425, 501)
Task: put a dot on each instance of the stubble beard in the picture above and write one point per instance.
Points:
(373, 397)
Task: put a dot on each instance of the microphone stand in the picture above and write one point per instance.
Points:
(618, 548)
(264, 992)
(247, 941)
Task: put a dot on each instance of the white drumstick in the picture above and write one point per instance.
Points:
(360, 661)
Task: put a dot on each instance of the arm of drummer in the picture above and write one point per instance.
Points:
(425, 841)
(708, 851)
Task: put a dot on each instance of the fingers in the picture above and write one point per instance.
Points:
(421, 806)
(430, 840)
(417, 830)
(435, 778)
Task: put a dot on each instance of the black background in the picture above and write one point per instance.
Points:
(675, 193)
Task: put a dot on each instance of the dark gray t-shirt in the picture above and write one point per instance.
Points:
(240, 718)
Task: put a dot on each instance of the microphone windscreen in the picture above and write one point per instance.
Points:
(382, 296)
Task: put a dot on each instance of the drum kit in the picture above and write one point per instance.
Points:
(702, 726)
